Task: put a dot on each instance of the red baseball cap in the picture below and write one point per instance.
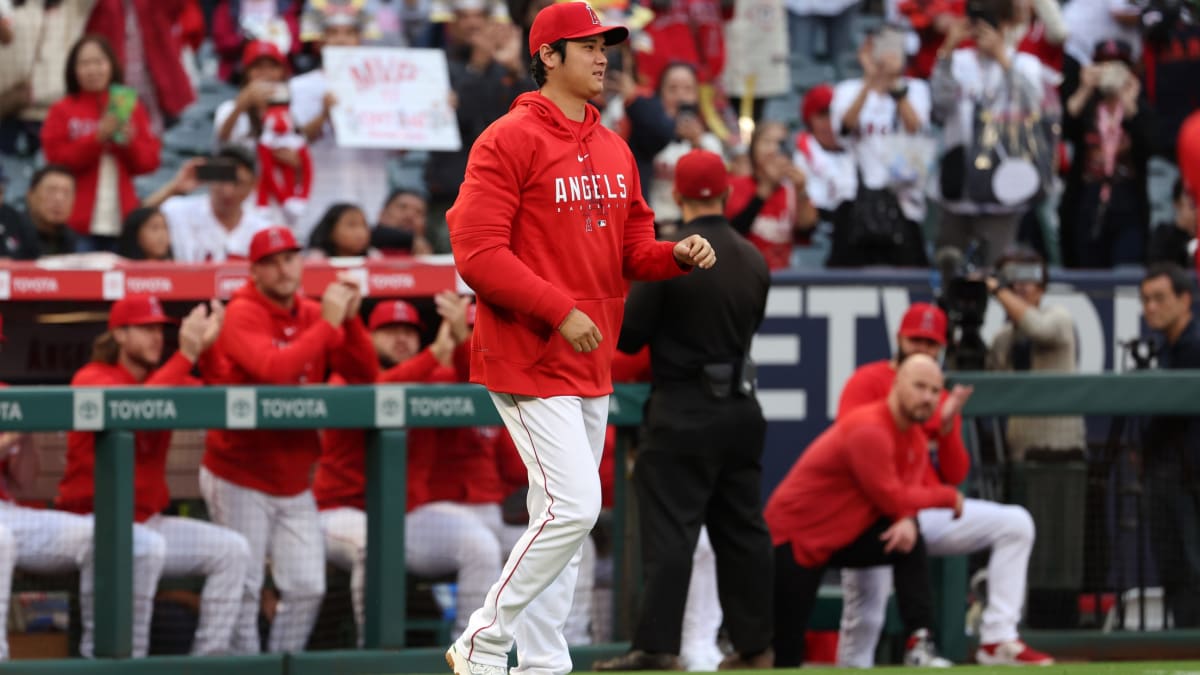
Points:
(261, 49)
(394, 312)
(272, 240)
(701, 174)
(923, 320)
(816, 101)
(137, 310)
(571, 21)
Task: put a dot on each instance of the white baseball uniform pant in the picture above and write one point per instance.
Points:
(1004, 528)
(702, 614)
(287, 531)
(440, 538)
(578, 630)
(194, 547)
(560, 440)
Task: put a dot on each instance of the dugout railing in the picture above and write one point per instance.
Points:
(387, 412)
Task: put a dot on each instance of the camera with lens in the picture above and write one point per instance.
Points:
(964, 299)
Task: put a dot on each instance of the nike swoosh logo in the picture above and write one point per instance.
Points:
(582, 157)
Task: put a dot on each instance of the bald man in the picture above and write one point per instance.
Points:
(851, 500)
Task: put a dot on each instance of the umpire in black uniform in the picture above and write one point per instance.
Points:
(700, 454)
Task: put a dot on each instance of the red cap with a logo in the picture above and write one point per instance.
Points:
(923, 320)
(571, 21)
(394, 312)
(261, 49)
(701, 174)
(816, 102)
(138, 310)
(272, 240)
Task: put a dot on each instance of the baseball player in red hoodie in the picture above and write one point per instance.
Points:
(1005, 529)
(548, 223)
(126, 356)
(257, 482)
(851, 501)
(441, 537)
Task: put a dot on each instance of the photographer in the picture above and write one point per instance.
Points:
(1105, 211)
(1171, 455)
(998, 110)
(1035, 338)
(882, 118)
(216, 226)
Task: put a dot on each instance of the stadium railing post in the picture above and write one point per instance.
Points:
(387, 497)
(113, 545)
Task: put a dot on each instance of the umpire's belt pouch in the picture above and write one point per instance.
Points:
(718, 380)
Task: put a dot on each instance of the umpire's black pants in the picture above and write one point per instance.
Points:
(699, 463)
(796, 588)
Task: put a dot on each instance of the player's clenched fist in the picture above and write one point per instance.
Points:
(695, 251)
(579, 329)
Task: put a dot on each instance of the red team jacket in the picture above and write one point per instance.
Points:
(861, 469)
(550, 217)
(76, 488)
(262, 343)
(872, 382)
(69, 138)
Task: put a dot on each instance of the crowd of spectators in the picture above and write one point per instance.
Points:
(911, 125)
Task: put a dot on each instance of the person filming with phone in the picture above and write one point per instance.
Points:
(216, 226)
(999, 112)
(100, 132)
(880, 117)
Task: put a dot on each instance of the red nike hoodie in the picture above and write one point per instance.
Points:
(263, 343)
(550, 217)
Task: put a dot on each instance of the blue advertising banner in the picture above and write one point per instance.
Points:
(821, 326)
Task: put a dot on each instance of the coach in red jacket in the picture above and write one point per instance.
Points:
(126, 356)
(257, 482)
(850, 501)
(1006, 530)
(548, 223)
(104, 151)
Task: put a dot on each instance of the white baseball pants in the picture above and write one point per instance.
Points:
(287, 531)
(1004, 528)
(194, 547)
(578, 630)
(440, 538)
(560, 439)
(702, 614)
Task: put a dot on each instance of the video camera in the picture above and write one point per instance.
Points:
(963, 296)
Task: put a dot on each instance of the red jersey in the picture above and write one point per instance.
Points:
(69, 139)
(76, 489)
(550, 217)
(263, 343)
(872, 382)
(861, 469)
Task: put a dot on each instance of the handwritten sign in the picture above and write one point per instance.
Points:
(391, 98)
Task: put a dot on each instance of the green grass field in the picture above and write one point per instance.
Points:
(1123, 668)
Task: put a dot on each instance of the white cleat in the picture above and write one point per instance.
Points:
(460, 665)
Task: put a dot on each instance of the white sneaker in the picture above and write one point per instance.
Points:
(459, 664)
(922, 652)
(1011, 653)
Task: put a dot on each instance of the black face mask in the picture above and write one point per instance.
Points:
(390, 238)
